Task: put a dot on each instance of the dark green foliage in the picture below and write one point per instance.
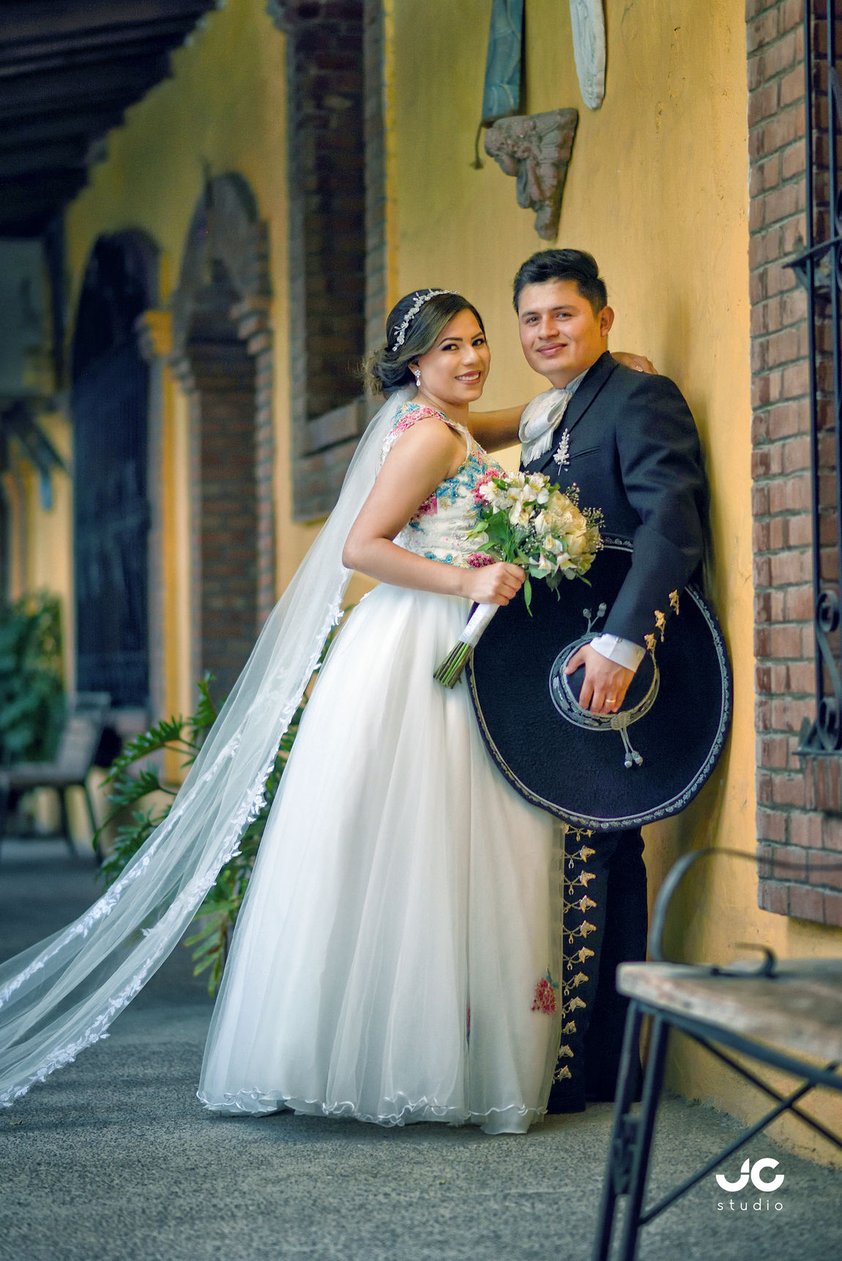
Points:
(31, 689)
(218, 913)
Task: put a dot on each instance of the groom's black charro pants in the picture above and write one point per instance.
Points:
(605, 924)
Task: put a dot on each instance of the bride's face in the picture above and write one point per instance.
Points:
(453, 371)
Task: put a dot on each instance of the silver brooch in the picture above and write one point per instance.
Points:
(562, 451)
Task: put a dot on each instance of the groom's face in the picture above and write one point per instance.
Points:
(561, 334)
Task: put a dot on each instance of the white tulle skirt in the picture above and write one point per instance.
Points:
(401, 932)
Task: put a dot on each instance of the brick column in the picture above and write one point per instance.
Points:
(337, 215)
(251, 317)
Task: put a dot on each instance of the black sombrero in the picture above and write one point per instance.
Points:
(645, 762)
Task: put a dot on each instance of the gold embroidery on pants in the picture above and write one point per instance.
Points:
(574, 961)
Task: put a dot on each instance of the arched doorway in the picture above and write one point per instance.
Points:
(109, 403)
(222, 356)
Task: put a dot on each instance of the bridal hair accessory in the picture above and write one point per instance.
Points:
(421, 300)
(60, 996)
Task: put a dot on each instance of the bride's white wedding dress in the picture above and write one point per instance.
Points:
(397, 951)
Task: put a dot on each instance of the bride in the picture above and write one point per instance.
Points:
(395, 956)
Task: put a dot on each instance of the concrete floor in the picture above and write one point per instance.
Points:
(113, 1159)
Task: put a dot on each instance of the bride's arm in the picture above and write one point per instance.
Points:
(494, 430)
(419, 461)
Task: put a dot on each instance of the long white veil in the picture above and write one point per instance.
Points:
(62, 994)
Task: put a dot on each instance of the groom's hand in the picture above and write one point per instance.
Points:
(606, 683)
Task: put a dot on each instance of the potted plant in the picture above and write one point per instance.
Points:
(31, 688)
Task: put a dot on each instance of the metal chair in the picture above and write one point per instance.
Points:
(785, 1015)
(87, 714)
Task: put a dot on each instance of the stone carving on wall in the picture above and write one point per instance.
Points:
(536, 149)
(588, 21)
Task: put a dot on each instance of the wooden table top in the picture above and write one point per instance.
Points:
(799, 1009)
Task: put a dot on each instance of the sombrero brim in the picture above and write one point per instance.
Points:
(583, 775)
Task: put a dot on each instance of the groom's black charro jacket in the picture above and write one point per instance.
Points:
(633, 451)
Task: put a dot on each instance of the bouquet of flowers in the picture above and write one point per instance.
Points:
(527, 520)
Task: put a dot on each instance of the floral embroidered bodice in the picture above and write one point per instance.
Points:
(439, 527)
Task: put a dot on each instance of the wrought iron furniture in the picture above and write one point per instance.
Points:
(86, 718)
(786, 1015)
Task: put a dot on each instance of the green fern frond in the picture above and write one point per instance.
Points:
(160, 736)
(130, 788)
(130, 837)
(206, 711)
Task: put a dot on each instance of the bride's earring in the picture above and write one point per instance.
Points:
(416, 372)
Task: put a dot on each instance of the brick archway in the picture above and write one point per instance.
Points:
(222, 357)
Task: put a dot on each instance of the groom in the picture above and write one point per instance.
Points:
(628, 441)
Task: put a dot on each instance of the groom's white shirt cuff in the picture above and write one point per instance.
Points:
(623, 651)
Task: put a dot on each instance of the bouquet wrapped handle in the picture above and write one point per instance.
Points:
(477, 623)
(450, 670)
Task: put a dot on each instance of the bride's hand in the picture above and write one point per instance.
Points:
(637, 363)
(494, 584)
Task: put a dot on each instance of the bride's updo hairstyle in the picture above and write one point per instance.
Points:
(413, 327)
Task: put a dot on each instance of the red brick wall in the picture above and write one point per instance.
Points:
(224, 550)
(799, 817)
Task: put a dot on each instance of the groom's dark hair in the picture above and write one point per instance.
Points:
(575, 265)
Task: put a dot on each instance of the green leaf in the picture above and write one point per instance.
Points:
(130, 788)
(160, 736)
(206, 710)
(31, 693)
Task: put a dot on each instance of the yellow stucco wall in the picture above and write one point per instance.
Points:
(657, 190)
